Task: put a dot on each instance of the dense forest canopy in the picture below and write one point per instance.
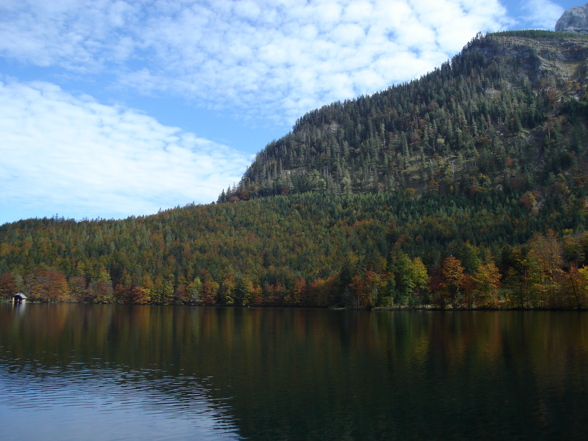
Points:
(464, 188)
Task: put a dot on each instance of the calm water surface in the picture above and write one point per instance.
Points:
(102, 372)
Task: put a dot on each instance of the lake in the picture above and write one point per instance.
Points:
(106, 372)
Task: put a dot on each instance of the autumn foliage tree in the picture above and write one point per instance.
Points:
(486, 285)
(574, 288)
(451, 282)
(46, 284)
(545, 259)
(8, 285)
(365, 287)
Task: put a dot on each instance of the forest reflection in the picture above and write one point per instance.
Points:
(321, 374)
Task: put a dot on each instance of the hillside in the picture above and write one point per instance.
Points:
(508, 111)
(466, 187)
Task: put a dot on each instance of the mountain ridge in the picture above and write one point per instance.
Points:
(533, 63)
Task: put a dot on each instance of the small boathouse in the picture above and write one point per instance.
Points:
(19, 298)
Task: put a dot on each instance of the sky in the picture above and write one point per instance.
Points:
(114, 108)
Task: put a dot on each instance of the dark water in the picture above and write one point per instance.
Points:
(70, 372)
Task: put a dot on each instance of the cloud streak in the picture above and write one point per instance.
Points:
(74, 156)
(270, 59)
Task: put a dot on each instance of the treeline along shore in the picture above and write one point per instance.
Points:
(364, 251)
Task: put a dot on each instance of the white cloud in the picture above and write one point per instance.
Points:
(247, 9)
(267, 61)
(542, 13)
(272, 59)
(74, 156)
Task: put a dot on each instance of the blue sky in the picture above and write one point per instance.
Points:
(112, 108)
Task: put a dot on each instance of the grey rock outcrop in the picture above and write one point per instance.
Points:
(574, 20)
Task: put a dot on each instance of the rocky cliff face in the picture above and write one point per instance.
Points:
(561, 59)
(574, 20)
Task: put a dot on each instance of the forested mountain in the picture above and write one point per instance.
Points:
(508, 111)
(466, 187)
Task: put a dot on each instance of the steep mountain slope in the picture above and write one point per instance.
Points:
(508, 111)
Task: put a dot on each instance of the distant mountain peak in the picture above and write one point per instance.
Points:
(574, 20)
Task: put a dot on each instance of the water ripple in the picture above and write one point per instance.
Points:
(180, 405)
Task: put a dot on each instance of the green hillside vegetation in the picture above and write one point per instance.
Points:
(465, 188)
